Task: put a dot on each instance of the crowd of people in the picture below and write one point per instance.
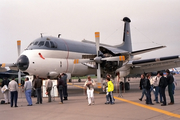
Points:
(148, 84)
(157, 85)
(11, 93)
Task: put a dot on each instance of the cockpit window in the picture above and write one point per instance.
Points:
(47, 44)
(30, 44)
(41, 43)
(53, 45)
(36, 43)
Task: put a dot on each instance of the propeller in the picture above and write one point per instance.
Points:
(98, 59)
(19, 50)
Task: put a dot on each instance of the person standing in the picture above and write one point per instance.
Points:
(147, 85)
(170, 80)
(13, 88)
(109, 76)
(152, 89)
(33, 92)
(27, 89)
(60, 86)
(162, 87)
(110, 90)
(89, 84)
(37, 86)
(6, 93)
(64, 78)
(142, 87)
(49, 86)
(156, 87)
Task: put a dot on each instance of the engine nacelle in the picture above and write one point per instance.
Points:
(135, 57)
(53, 74)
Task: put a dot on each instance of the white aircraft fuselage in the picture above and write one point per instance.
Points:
(44, 57)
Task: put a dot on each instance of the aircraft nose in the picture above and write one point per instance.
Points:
(23, 62)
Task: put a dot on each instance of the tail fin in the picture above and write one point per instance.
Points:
(126, 45)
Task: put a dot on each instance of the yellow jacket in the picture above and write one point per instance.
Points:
(110, 86)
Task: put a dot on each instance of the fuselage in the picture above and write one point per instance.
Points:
(50, 55)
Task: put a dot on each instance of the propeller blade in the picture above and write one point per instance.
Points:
(98, 60)
(3, 65)
(18, 47)
(117, 58)
(97, 42)
(19, 50)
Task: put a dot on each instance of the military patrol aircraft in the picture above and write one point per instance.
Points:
(53, 55)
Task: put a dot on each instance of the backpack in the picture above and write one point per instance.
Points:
(145, 83)
(165, 82)
(2, 102)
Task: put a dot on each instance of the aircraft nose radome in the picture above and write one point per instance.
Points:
(23, 62)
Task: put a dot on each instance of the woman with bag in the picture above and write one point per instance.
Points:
(6, 93)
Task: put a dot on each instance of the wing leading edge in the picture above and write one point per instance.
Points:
(154, 64)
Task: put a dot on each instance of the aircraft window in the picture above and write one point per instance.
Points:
(53, 45)
(30, 44)
(47, 44)
(36, 43)
(41, 43)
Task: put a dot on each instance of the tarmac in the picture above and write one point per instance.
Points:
(126, 107)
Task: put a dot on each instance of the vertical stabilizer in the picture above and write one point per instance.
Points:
(126, 45)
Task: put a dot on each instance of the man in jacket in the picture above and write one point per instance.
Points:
(64, 78)
(28, 88)
(170, 81)
(37, 86)
(141, 86)
(60, 86)
(162, 86)
(13, 88)
(147, 85)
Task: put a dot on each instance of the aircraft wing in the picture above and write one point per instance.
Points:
(3, 69)
(3, 66)
(154, 64)
(10, 73)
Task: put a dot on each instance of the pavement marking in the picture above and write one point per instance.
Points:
(138, 104)
(75, 85)
(149, 107)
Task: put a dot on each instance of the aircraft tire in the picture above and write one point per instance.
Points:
(79, 80)
(70, 80)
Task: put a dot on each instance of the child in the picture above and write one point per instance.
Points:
(110, 89)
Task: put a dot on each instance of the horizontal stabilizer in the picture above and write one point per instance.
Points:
(146, 50)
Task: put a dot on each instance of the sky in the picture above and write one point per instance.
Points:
(153, 23)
